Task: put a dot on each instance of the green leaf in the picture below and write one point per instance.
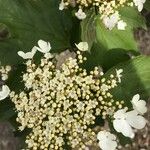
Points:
(15, 81)
(75, 31)
(147, 5)
(135, 79)
(94, 57)
(124, 39)
(147, 12)
(4, 33)
(88, 32)
(114, 57)
(6, 109)
(99, 56)
(27, 21)
(132, 17)
(21, 135)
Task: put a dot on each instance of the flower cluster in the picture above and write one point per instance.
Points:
(108, 9)
(61, 102)
(61, 105)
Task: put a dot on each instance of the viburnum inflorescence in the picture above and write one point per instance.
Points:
(108, 10)
(61, 105)
(105, 7)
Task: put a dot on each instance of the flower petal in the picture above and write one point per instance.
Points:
(111, 21)
(139, 105)
(4, 92)
(135, 98)
(27, 55)
(119, 75)
(123, 127)
(100, 135)
(108, 145)
(80, 14)
(135, 120)
(44, 47)
(120, 114)
(121, 25)
(82, 46)
(107, 140)
(62, 5)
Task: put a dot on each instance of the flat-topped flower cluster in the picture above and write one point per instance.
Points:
(108, 9)
(61, 103)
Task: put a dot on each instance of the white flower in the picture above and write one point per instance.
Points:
(111, 21)
(121, 25)
(139, 4)
(119, 75)
(80, 14)
(28, 55)
(82, 46)
(107, 141)
(62, 5)
(4, 92)
(44, 47)
(139, 105)
(124, 121)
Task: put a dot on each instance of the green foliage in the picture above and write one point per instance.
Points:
(114, 57)
(123, 39)
(6, 110)
(24, 22)
(135, 79)
(122, 139)
(147, 12)
(94, 57)
(147, 5)
(99, 56)
(88, 33)
(14, 81)
(27, 21)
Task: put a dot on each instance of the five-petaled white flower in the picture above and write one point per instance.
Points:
(4, 92)
(80, 14)
(82, 46)
(118, 74)
(107, 141)
(139, 4)
(139, 105)
(44, 47)
(114, 20)
(28, 55)
(111, 21)
(62, 5)
(124, 121)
